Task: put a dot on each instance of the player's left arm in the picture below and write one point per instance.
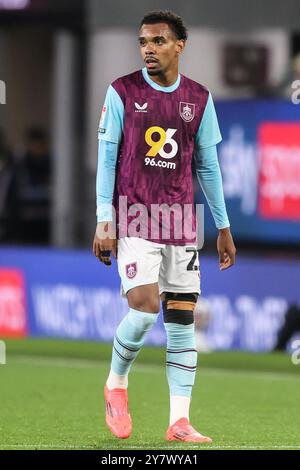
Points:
(210, 179)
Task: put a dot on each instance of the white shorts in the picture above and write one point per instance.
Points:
(175, 268)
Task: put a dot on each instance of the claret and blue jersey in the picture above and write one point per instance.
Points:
(148, 136)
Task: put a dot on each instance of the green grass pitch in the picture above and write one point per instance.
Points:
(51, 396)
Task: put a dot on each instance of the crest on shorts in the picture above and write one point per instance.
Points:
(131, 270)
(187, 111)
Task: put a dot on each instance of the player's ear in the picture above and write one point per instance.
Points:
(180, 44)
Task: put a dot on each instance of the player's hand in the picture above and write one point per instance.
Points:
(226, 249)
(105, 242)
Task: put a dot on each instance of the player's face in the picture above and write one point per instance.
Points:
(159, 47)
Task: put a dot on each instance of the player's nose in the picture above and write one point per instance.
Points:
(150, 48)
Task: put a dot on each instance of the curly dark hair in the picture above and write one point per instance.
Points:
(166, 16)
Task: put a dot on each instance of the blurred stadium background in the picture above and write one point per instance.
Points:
(56, 60)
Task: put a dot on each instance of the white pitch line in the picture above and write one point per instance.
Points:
(154, 368)
(199, 447)
(54, 361)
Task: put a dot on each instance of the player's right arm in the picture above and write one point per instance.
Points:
(209, 176)
(109, 138)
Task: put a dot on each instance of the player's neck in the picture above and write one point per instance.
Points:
(166, 79)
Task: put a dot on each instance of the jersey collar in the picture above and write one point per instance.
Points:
(166, 89)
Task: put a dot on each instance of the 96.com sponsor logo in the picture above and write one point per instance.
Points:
(157, 147)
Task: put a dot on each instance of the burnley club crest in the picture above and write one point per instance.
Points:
(187, 111)
(131, 270)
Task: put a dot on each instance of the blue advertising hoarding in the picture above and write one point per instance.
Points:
(69, 294)
(260, 162)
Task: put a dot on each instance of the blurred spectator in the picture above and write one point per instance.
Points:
(6, 178)
(290, 327)
(32, 185)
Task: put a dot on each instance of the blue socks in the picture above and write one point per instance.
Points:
(181, 358)
(129, 339)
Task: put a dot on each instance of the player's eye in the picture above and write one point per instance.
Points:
(158, 41)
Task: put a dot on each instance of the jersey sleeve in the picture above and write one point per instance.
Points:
(112, 117)
(105, 181)
(209, 132)
(210, 179)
